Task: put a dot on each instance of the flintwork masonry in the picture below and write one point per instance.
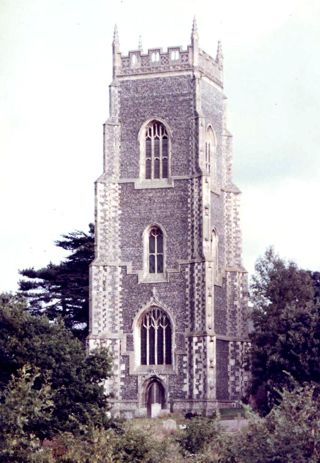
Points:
(168, 290)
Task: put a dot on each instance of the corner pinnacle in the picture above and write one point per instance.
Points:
(219, 55)
(116, 36)
(194, 31)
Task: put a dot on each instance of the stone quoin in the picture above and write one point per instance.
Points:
(168, 289)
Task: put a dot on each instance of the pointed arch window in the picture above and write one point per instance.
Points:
(156, 338)
(155, 250)
(156, 151)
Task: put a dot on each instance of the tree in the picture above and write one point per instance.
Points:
(24, 407)
(63, 289)
(290, 433)
(286, 335)
(76, 379)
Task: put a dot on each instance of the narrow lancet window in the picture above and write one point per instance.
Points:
(156, 151)
(155, 250)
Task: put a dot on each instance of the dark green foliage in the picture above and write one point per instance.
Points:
(286, 336)
(289, 434)
(132, 446)
(94, 445)
(23, 408)
(278, 283)
(199, 434)
(75, 378)
(126, 445)
(63, 289)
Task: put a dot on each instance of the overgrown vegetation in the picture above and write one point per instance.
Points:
(286, 335)
(52, 401)
(289, 434)
(59, 361)
(24, 408)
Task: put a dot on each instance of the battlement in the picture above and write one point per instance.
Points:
(174, 59)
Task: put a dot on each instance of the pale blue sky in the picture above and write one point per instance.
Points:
(55, 68)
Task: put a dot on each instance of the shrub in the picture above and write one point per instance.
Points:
(23, 408)
(93, 446)
(199, 435)
(289, 434)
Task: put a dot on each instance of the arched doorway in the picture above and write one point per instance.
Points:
(155, 398)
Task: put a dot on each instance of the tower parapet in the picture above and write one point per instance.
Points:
(173, 59)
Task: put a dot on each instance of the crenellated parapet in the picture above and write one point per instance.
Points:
(173, 59)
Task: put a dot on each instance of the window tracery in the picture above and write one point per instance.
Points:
(156, 151)
(156, 338)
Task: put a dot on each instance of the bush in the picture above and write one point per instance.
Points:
(289, 434)
(93, 446)
(200, 435)
(113, 446)
(76, 379)
(23, 408)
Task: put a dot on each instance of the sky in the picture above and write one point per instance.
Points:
(55, 68)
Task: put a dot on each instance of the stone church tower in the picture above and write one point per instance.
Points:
(168, 290)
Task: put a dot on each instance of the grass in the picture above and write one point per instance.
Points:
(155, 424)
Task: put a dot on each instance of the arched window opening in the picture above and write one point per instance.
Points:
(156, 151)
(155, 250)
(156, 338)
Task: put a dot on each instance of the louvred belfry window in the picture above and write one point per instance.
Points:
(156, 151)
(156, 338)
(155, 250)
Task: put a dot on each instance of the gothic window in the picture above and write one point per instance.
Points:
(156, 338)
(155, 250)
(156, 151)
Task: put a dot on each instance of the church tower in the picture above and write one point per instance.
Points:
(168, 290)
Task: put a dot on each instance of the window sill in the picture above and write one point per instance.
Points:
(142, 184)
